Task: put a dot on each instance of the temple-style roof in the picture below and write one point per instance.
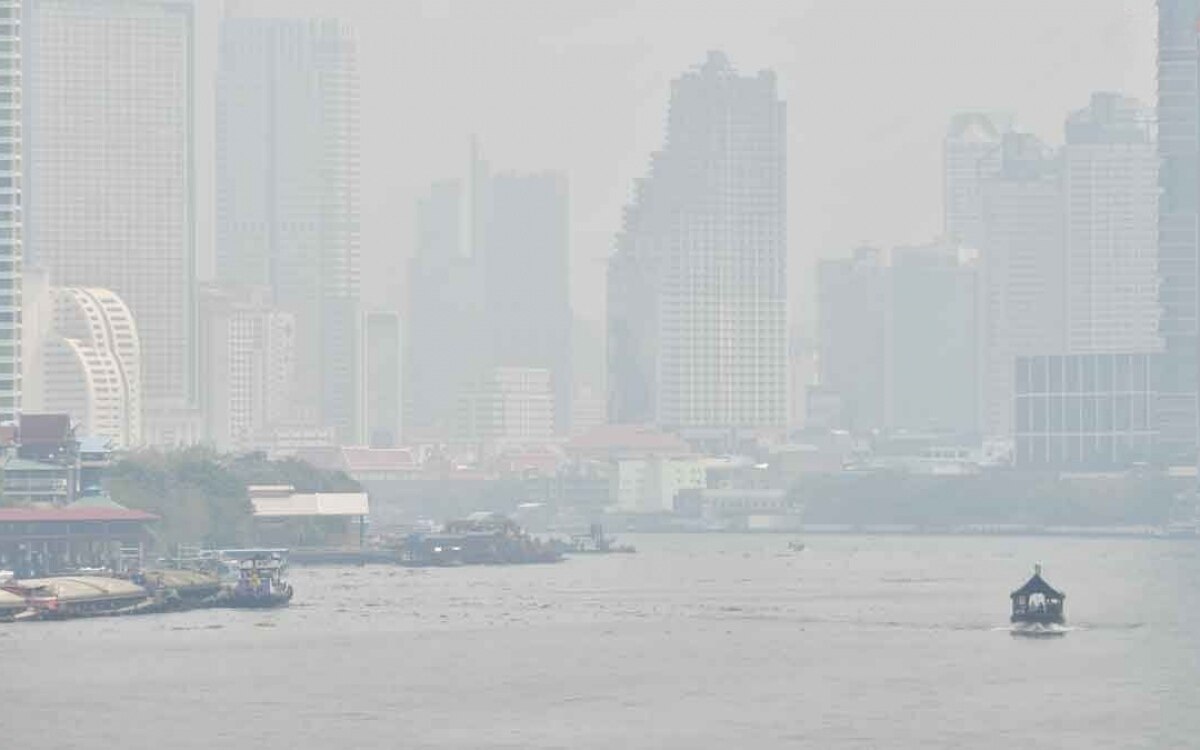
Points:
(1038, 585)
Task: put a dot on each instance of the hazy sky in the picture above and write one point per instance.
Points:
(582, 86)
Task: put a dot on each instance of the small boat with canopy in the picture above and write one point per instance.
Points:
(1037, 606)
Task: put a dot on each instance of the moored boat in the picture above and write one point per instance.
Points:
(178, 589)
(480, 539)
(77, 596)
(11, 605)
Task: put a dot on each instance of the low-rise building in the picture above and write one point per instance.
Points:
(741, 509)
(1093, 411)
(285, 517)
(650, 485)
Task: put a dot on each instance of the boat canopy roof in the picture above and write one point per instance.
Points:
(10, 600)
(79, 587)
(1038, 585)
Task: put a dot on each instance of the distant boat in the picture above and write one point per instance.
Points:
(1038, 607)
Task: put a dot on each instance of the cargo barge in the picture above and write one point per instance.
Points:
(479, 539)
(76, 596)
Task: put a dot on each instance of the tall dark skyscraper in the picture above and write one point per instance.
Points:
(1178, 230)
(443, 342)
(287, 195)
(525, 257)
(488, 289)
(697, 302)
(852, 315)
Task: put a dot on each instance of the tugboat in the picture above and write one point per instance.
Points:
(260, 582)
(1037, 607)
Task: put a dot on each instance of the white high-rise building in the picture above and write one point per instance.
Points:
(698, 285)
(1110, 174)
(110, 177)
(82, 357)
(92, 365)
(247, 365)
(287, 178)
(10, 210)
(970, 157)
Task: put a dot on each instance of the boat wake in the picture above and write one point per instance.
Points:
(1038, 630)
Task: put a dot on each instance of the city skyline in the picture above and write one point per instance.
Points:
(599, 373)
(718, 303)
(558, 62)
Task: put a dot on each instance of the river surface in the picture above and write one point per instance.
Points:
(695, 642)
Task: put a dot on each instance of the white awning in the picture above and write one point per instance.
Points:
(312, 504)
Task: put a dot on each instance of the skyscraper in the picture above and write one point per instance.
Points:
(109, 178)
(1179, 227)
(382, 377)
(446, 346)
(1023, 270)
(494, 296)
(970, 157)
(698, 284)
(933, 339)
(10, 210)
(852, 324)
(1110, 173)
(247, 365)
(524, 252)
(287, 195)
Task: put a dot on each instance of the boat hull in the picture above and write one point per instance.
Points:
(1038, 630)
(258, 602)
(235, 599)
(1038, 618)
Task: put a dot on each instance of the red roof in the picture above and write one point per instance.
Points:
(68, 515)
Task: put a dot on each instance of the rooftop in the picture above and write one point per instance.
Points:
(1038, 585)
(25, 464)
(73, 514)
(312, 504)
(45, 428)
